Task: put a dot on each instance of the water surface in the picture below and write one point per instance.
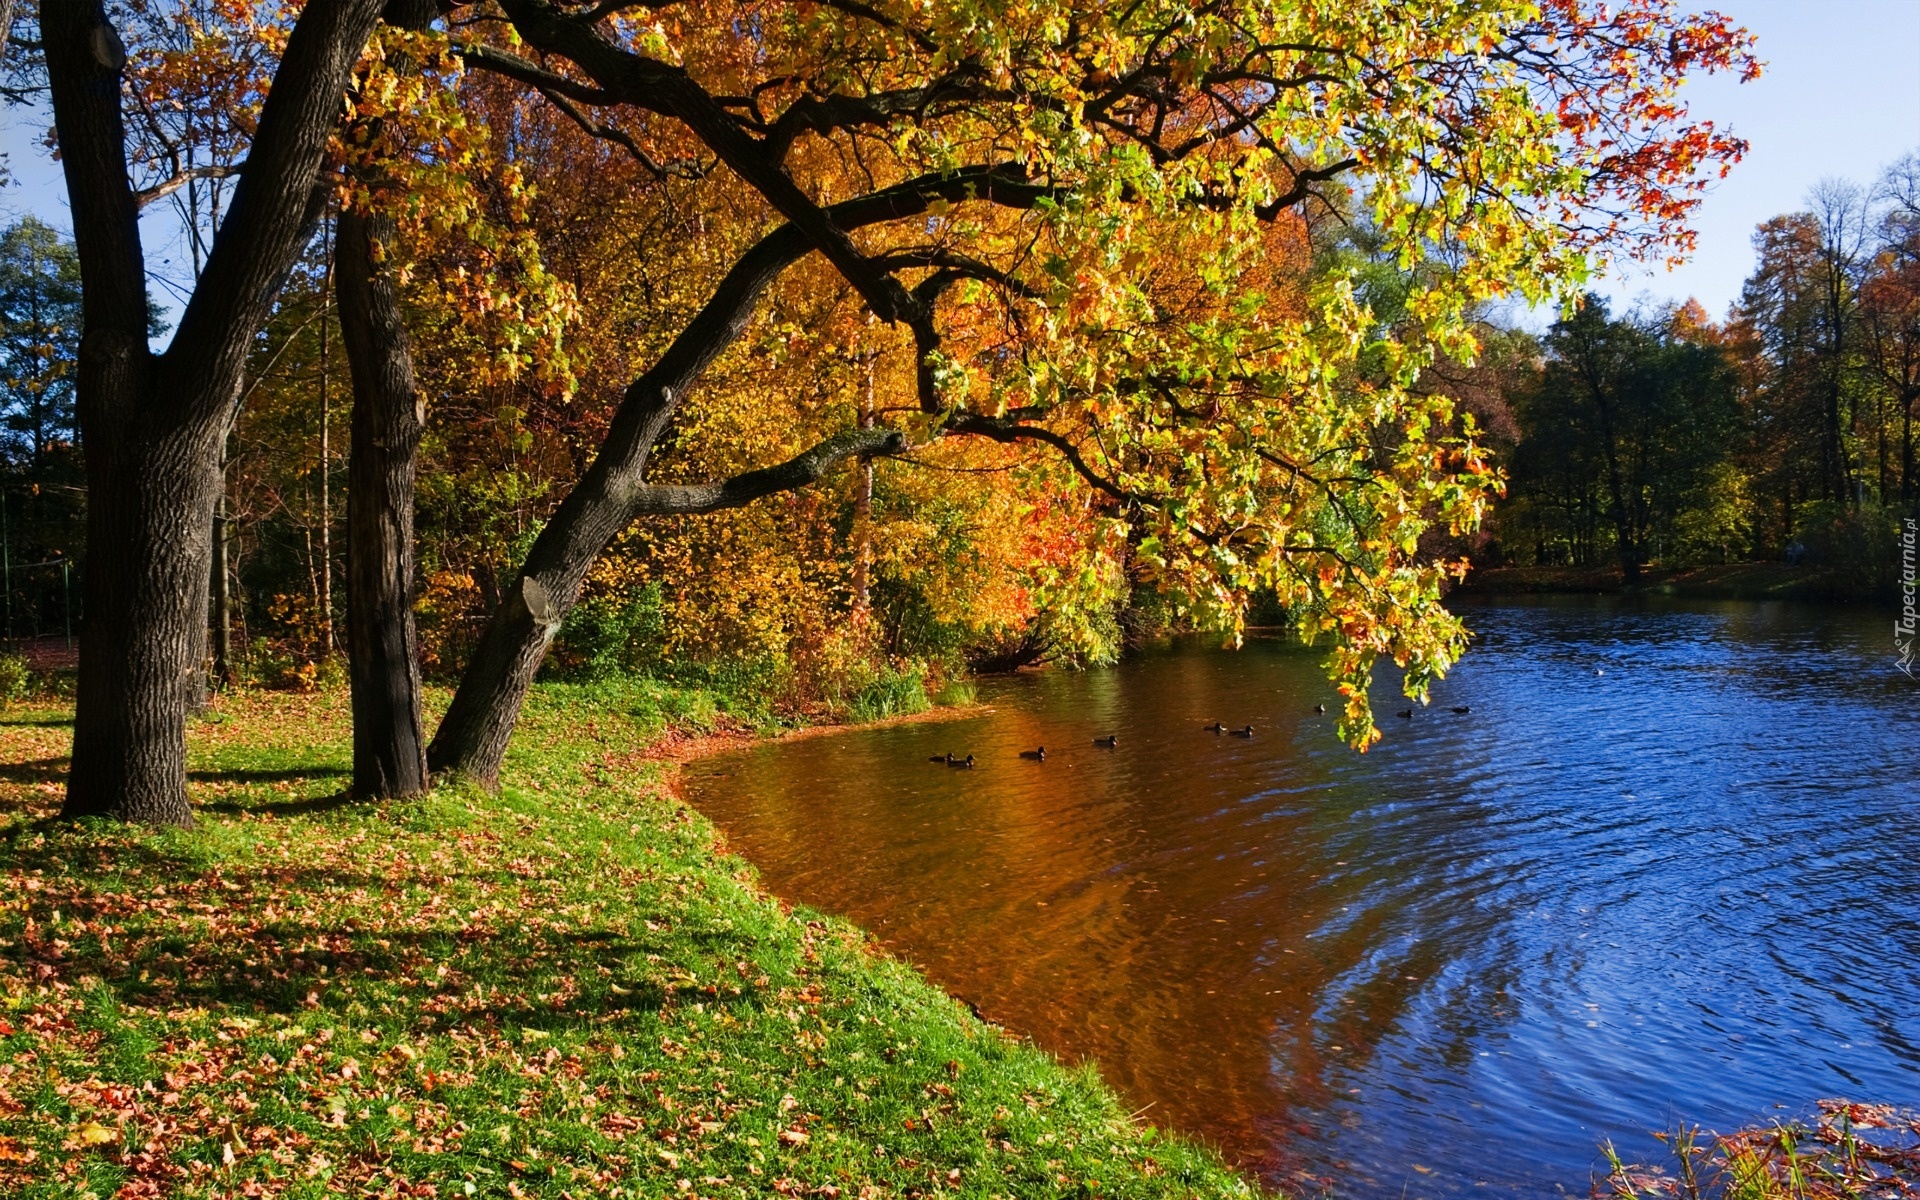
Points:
(1667, 866)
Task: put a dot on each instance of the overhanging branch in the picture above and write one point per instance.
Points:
(797, 472)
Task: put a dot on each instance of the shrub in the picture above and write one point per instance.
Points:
(610, 635)
(17, 680)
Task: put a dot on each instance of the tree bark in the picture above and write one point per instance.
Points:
(153, 426)
(389, 741)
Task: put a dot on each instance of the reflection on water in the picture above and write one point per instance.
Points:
(1666, 866)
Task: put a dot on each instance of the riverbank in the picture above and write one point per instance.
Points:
(567, 989)
(1729, 581)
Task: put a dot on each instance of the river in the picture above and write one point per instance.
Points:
(1666, 867)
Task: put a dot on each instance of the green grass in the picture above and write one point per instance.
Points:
(565, 990)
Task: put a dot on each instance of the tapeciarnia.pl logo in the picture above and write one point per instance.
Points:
(1903, 629)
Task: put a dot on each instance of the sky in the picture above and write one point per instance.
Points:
(1840, 98)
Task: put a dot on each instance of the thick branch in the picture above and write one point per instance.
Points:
(273, 207)
(796, 472)
(512, 66)
(84, 59)
(669, 90)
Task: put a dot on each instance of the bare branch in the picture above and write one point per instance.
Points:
(161, 191)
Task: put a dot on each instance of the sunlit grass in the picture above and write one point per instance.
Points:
(565, 990)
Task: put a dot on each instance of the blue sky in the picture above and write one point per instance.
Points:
(1841, 97)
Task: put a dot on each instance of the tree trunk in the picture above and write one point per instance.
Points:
(146, 595)
(222, 594)
(153, 427)
(472, 738)
(389, 741)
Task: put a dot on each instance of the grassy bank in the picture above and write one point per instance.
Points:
(1730, 581)
(566, 990)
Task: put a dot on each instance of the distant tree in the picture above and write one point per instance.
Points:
(39, 340)
(1891, 314)
(1631, 426)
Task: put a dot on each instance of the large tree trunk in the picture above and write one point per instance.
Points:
(146, 595)
(153, 426)
(472, 738)
(389, 742)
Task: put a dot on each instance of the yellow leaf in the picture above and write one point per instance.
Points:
(93, 1133)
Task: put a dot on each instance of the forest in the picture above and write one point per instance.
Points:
(1073, 412)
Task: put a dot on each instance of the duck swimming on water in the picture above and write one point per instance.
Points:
(1039, 755)
(946, 758)
(1216, 727)
(1109, 741)
(965, 764)
(1319, 708)
(1245, 733)
(1405, 712)
(1463, 708)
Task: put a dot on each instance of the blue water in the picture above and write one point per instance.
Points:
(1666, 868)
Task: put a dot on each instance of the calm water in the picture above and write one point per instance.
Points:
(1688, 886)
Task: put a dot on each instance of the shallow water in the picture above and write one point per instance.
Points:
(1668, 866)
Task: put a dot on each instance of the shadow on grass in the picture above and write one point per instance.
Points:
(37, 722)
(286, 808)
(252, 775)
(224, 939)
(39, 770)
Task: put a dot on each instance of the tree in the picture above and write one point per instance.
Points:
(389, 742)
(1086, 220)
(153, 423)
(1891, 312)
(1636, 422)
(39, 338)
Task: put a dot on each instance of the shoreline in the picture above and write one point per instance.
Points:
(569, 987)
(1729, 581)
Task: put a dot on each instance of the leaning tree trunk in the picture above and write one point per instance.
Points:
(472, 738)
(389, 742)
(612, 494)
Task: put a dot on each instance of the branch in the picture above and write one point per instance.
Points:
(512, 66)
(608, 133)
(161, 191)
(84, 60)
(669, 90)
(1000, 430)
(796, 472)
(273, 209)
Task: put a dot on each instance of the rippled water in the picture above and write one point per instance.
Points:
(1668, 866)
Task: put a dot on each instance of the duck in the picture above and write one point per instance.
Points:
(1109, 741)
(1319, 708)
(1405, 712)
(1039, 755)
(1245, 733)
(965, 764)
(1463, 709)
(1216, 727)
(946, 758)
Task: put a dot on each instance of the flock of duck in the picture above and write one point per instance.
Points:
(1039, 753)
